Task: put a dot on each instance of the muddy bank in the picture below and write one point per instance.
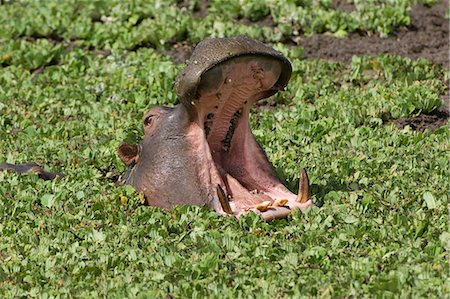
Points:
(426, 37)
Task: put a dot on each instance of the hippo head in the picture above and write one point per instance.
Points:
(202, 151)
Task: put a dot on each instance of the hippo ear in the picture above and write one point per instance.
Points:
(129, 153)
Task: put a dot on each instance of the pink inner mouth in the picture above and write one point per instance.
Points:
(222, 104)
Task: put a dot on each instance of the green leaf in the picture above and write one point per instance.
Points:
(429, 200)
(445, 240)
(350, 219)
(47, 200)
(422, 228)
(98, 235)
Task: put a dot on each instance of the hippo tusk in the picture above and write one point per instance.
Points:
(303, 188)
(223, 200)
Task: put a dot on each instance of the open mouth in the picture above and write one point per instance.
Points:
(222, 104)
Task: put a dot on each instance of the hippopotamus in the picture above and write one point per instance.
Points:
(202, 151)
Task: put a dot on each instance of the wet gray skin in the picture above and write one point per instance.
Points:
(202, 151)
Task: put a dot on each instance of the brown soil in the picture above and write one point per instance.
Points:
(423, 122)
(343, 5)
(426, 37)
(200, 9)
(266, 21)
(180, 52)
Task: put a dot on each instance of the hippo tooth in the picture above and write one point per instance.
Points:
(223, 200)
(280, 202)
(303, 189)
(264, 206)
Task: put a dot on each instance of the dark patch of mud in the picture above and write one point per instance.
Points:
(427, 37)
(180, 52)
(266, 21)
(427, 121)
(343, 5)
(142, 44)
(101, 53)
(52, 37)
(422, 122)
(200, 9)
